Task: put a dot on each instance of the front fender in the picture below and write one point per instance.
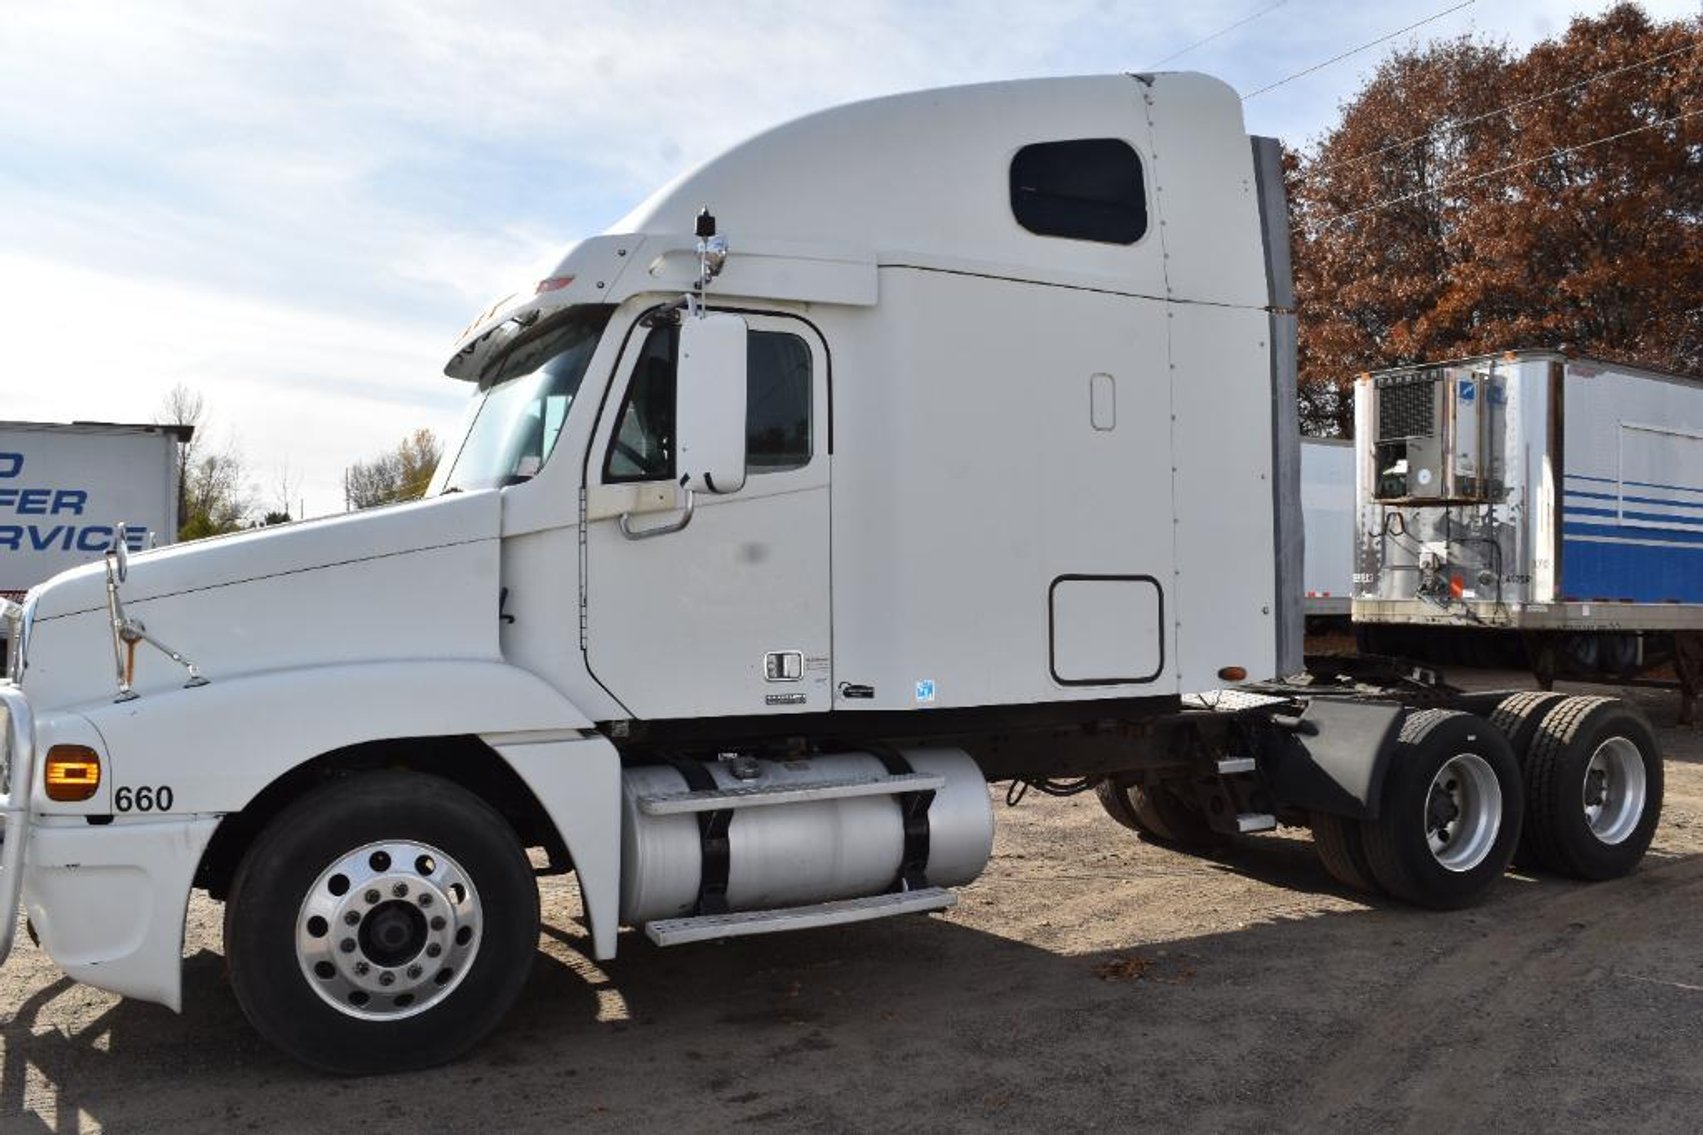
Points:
(109, 901)
(216, 746)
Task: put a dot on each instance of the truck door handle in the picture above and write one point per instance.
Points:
(632, 533)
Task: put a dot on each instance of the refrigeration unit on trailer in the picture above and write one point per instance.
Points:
(922, 442)
(1327, 510)
(1531, 492)
(65, 489)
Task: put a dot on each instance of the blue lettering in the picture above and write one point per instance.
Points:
(33, 502)
(8, 497)
(41, 543)
(94, 539)
(136, 539)
(11, 464)
(69, 500)
(11, 536)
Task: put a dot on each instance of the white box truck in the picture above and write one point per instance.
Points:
(963, 448)
(1530, 493)
(66, 488)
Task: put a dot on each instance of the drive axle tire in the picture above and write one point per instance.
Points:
(1517, 716)
(1343, 852)
(1593, 789)
(383, 922)
(1155, 811)
(1450, 811)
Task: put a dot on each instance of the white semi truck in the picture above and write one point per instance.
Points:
(959, 445)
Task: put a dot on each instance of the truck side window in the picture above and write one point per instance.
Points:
(778, 407)
(642, 448)
(777, 402)
(1086, 189)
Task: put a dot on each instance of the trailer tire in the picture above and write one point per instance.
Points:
(1156, 812)
(381, 923)
(1343, 852)
(1594, 788)
(1517, 716)
(1450, 811)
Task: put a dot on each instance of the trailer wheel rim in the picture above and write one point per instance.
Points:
(388, 930)
(1463, 812)
(1614, 790)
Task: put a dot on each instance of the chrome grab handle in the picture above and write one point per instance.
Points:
(632, 533)
(15, 808)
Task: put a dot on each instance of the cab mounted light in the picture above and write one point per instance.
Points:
(72, 773)
(1232, 674)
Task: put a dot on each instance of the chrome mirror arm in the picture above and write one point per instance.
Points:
(127, 632)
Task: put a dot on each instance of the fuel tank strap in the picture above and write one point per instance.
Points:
(712, 836)
(913, 807)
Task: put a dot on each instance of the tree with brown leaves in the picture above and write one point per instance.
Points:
(1473, 201)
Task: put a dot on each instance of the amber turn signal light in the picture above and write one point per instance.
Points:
(72, 773)
(1232, 674)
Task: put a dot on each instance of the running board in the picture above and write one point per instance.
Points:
(677, 931)
(760, 795)
(1255, 822)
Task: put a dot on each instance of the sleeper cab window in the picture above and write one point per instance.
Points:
(1086, 189)
(778, 409)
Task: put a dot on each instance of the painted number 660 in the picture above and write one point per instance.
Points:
(144, 799)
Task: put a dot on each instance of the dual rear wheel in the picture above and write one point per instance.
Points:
(1572, 784)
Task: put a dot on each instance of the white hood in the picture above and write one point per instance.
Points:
(410, 581)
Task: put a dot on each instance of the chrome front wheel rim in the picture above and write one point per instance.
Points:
(388, 930)
(1463, 812)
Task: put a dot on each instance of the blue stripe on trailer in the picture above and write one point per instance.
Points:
(1580, 495)
(1638, 484)
(1658, 519)
(1641, 565)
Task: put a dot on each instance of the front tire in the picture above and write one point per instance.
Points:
(381, 923)
(1450, 813)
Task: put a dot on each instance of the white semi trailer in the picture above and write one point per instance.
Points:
(1327, 512)
(66, 487)
(1534, 495)
(963, 448)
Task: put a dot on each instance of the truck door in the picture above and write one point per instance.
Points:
(723, 609)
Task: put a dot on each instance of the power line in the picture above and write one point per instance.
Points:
(1510, 166)
(1357, 50)
(1216, 34)
(1458, 122)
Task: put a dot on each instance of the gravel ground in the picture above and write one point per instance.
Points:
(1087, 981)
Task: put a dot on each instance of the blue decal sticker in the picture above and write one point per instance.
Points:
(1469, 390)
(925, 690)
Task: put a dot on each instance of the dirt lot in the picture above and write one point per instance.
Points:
(1087, 981)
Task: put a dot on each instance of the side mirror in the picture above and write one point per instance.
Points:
(710, 403)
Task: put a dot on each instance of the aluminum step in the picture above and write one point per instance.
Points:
(762, 795)
(704, 927)
(1230, 766)
(1255, 822)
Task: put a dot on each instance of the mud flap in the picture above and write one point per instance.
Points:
(1333, 757)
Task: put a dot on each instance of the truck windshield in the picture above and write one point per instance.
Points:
(516, 415)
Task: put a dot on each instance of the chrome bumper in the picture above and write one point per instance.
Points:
(17, 746)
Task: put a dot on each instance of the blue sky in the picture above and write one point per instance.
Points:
(293, 207)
